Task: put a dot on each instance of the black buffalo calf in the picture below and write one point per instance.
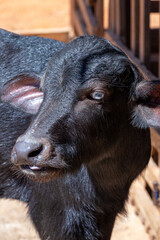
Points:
(74, 119)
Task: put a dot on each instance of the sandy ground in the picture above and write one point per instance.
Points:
(14, 222)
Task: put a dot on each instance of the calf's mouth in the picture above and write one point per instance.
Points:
(40, 173)
(37, 161)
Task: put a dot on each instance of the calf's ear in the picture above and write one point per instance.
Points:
(147, 95)
(23, 92)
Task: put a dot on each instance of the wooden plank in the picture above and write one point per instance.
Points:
(34, 14)
(73, 7)
(123, 26)
(91, 2)
(154, 6)
(159, 46)
(154, 40)
(88, 17)
(128, 25)
(80, 28)
(115, 40)
(155, 139)
(154, 20)
(146, 210)
(154, 63)
(124, 228)
(135, 27)
(100, 17)
(60, 34)
(118, 17)
(151, 173)
(144, 46)
(112, 16)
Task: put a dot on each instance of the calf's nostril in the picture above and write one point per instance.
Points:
(29, 152)
(24, 152)
(36, 152)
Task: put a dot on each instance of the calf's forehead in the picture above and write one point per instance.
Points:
(79, 63)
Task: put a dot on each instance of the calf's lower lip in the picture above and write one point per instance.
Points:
(40, 173)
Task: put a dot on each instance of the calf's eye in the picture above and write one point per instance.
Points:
(98, 96)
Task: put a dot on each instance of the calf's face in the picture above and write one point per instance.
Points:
(90, 90)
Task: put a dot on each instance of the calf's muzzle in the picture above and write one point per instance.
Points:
(31, 152)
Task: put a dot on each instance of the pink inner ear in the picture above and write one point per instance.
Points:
(23, 93)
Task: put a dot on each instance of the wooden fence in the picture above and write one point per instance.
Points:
(130, 21)
(142, 192)
(87, 17)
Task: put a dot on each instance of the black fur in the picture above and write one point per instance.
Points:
(102, 150)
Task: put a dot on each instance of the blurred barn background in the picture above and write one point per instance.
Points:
(134, 25)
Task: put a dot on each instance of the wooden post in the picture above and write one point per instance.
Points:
(155, 140)
(80, 27)
(159, 45)
(91, 2)
(154, 6)
(135, 27)
(123, 20)
(144, 39)
(114, 14)
(99, 16)
(118, 17)
(128, 20)
(112, 17)
(72, 10)
(89, 18)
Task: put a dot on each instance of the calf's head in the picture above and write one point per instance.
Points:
(90, 91)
